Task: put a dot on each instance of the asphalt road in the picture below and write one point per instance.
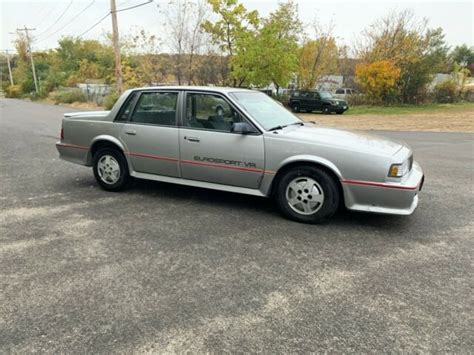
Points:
(170, 268)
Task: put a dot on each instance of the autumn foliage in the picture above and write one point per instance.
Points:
(378, 79)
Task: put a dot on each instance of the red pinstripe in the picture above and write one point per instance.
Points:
(251, 170)
(378, 184)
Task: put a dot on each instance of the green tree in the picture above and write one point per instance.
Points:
(234, 23)
(269, 54)
(464, 56)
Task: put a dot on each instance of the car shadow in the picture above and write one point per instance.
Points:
(267, 206)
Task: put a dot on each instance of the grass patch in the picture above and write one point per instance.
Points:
(408, 109)
(68, 97)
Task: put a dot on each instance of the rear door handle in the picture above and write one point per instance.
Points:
(130, 132)
(192, 139)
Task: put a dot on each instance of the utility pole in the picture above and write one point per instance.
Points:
(9, 67)
(31, 54)
(115, 39)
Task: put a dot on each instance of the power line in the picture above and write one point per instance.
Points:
(106, 15)
(69, 22)
(132, 7)
(45, 17)
(94, 25)
(58, 19)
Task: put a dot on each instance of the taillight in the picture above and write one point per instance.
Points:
(62, 133)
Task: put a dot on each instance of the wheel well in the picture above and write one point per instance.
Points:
(297, 164)
(104, 144)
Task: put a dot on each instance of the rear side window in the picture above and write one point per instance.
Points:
(156, 108)
(124, 112)
(340, 91)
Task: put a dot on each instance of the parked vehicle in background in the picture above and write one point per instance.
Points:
(323, 101)
(344, 93)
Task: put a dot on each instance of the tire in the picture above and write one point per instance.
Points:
(314, 192)
(326, 110)
(111, 169)
(340, 112)
(296, 107)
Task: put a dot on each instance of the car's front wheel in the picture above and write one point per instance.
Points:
(111, 169)
(326, 110)
(307, 194)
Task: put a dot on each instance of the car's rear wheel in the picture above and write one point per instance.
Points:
(326, 110)
(296, 107)
(111, 169)
(307, 194)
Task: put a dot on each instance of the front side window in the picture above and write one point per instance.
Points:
(263, 109)
(209, 111)
(340, 91)
(157, 108)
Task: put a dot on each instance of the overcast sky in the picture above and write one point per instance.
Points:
(349, 17)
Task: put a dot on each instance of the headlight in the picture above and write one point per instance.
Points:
(334, 102)
(399, 170)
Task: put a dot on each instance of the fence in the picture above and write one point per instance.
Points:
(95, 92)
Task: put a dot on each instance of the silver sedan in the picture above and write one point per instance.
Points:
(241, 141)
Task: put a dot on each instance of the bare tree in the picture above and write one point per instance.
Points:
(318, 55)
(186, 39)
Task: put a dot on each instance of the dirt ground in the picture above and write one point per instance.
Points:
(441, 121)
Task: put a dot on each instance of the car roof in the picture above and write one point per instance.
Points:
(219, 89)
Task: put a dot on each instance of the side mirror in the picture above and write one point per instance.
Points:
(242, 128)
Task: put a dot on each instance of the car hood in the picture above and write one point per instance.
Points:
(346, 139)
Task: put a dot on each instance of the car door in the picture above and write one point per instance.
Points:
(317, 106)
(305, 100)
(210, 151)
(150, 134)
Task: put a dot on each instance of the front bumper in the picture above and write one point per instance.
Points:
(339, 108)
(390, 198)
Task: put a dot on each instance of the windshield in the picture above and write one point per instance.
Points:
(325, 95)
(263, 109)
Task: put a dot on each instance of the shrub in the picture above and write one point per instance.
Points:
(468, 94)
(447, 91)
(13, 91)
(359, 99)
(68, 97)
(379, 80)
(110, 100)
(282, 98)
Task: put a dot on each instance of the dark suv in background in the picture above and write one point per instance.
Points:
(323, 101)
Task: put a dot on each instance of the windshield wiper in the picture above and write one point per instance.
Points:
(281, 127)
(276, 127)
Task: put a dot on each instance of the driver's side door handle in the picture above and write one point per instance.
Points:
(192, 139)
(130, 132)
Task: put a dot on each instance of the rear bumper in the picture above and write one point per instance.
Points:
(73, 153)
(390, 198)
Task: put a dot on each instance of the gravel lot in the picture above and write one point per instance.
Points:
(169, 268)
(458, 120)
